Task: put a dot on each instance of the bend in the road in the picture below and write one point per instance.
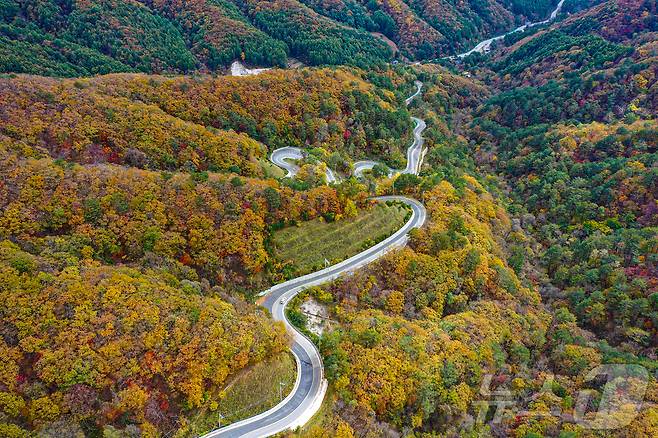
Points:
(305, 399)
(483, 46)
(281, 156)
(415, 150)
(419, 86)
(307, 395)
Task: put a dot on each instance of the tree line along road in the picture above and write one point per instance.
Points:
(310, 386)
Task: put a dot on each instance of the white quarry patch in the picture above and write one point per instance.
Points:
(316, 314)
(238, 69)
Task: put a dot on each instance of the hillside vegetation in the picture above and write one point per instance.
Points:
(305, 247)
(130, 190)
(538, 262)
(124, 289)
(138, 219)
(579, 153)
(84, 345)
(81, 38)
(201, 124)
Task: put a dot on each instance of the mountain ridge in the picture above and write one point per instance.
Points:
(83, 38)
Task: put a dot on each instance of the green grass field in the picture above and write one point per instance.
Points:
(271, 170)
(307, 245)
(253, 391)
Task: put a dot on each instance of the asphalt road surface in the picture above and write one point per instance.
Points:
(484, 46)
(362, 166)
(307, 394)
(306, 397)
(282, 157)
(419, 86)
(415, 151)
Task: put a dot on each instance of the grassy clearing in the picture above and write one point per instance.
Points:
(307, 245)
(271, 170)
(253, 391)
(257, 389)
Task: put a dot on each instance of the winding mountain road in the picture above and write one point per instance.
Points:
(310, 386)
(307, 394)
(415, 151)
(362, 166)
(282, 157)
(419, 86)
(484, 46)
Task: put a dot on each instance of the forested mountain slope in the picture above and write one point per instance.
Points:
(137, 213)
(581, 44)
(134, 229)
(498, 293)
(202, 123)
(578, 149)
(82, 38)
(559, 126)
(109, 313)
(86, 344)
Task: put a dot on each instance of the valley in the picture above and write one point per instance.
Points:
(317, 219)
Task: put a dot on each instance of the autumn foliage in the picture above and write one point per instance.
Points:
(200, 124)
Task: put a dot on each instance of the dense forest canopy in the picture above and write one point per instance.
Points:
(138, 212)
(74, 38)
(129, 189)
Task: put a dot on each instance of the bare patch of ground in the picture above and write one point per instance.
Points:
(317, 316)
(387, 40)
